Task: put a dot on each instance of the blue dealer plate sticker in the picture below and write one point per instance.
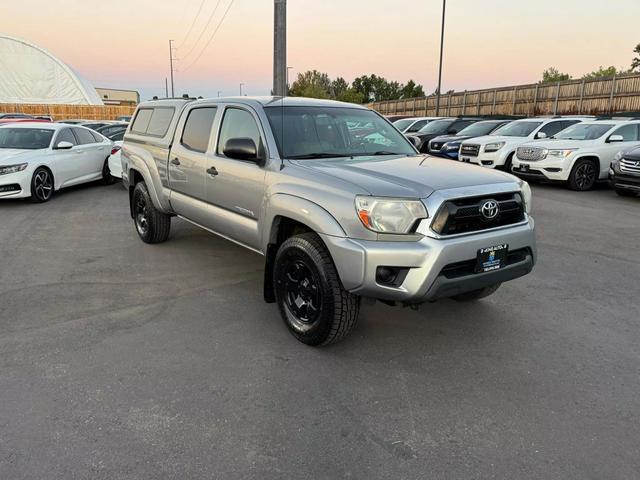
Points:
(492, 258)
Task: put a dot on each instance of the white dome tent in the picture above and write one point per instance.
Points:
(30, 74)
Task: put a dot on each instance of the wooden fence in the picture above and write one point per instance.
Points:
(587, 97)
(61, 112)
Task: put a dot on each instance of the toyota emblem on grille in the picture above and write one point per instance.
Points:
(489, 209)
(637, 164)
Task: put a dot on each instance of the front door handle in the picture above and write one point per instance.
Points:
(175, 161)
(212, 171)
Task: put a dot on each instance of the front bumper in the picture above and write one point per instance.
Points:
(115, 165)
(16, 185)
(547, 169)
(624, 181)
(436, 266)
(489, 160)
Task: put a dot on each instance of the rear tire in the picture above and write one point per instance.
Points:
(477, 294)
(107, 178)
(584, 175)
(152, 225)
(313, 304)
(626, 193)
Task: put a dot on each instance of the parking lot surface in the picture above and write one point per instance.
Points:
(122, 360)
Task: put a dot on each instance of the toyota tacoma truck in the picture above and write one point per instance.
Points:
(338, 216)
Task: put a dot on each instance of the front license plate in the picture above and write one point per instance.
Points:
(492, 258)
(465, 159)
(524, 167)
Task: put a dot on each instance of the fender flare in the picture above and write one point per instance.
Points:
(143, 170)
(301, 210)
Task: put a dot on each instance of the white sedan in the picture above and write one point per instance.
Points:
(115, 160)
(37, 159)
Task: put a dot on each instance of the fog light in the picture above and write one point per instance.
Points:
(386, 275)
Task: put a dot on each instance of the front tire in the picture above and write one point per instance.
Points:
(477, 294)
(41, 185)
(314, 305)
(152, 225)
(584, 175)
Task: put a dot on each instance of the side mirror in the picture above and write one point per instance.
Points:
(615, 139)
(541, 135)
(414, 140)
(241, 149)
(64, 146)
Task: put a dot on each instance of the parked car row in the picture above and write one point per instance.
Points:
(579, 151)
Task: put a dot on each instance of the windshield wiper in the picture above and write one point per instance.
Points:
(309, 156)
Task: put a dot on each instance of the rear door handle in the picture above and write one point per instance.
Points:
(212, 171)
(175, 161)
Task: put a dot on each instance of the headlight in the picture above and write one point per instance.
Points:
(525, 189)
(389, 215)
(13, 168)
(561, 153)
(618, 156)
(493, 147)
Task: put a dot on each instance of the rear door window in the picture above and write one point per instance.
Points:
(197, 129)
(84, 136)
(141, 123)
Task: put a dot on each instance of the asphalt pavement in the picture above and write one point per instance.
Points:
(120, 360)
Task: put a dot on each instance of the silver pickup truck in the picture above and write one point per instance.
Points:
(339, 203)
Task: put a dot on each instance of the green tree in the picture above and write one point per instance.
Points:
(412, 90)
(338, 87)
(604, 72)
(312, 84)
(351, 95)
(553, 75)
(635, 63)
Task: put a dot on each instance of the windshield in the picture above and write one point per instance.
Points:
(325, 132)
(479, 129)
(584, 131)
(25, 138)
(517, 129)
(437, 127)
(404, 123)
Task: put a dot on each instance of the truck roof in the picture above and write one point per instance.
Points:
(267, 101)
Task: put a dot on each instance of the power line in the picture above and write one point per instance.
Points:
(192, 24)
(203, 30)
(210, 38)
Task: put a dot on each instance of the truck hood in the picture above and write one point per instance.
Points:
(415, 176)
(560, 144)
(10, 156)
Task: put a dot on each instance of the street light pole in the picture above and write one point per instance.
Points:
(280, 48)
(173, 94)
(438, 92)
(241, 85)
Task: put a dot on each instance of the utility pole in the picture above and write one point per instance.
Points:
(444, 7)
(166, 88)
(241, 85)
(173, 92)
(280, 48)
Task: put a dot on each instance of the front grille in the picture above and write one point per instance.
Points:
(630, 166)
(470, 150)
(435, 146)
(465, 216)
(532, 154)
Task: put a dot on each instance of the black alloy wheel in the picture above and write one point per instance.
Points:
(583, 176)
(41, 186)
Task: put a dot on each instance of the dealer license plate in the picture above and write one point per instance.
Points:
(492, 258)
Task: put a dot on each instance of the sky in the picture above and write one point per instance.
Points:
(488, 43)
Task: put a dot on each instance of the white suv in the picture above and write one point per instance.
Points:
(580, 155)
(497, 150)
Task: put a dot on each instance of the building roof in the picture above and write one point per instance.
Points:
(30, 74)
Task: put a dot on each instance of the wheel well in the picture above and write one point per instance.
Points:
(135, 177)
(282, 228)
(588, 157)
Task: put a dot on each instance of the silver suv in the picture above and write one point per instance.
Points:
(340, 204)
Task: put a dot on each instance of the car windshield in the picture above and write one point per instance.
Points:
(517, 129)
(404, 123)
(326, 132)
(25, 138)
(437, 127)
(584, 131)
(478, 129)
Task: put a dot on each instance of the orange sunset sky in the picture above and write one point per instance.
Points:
(123, 43)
